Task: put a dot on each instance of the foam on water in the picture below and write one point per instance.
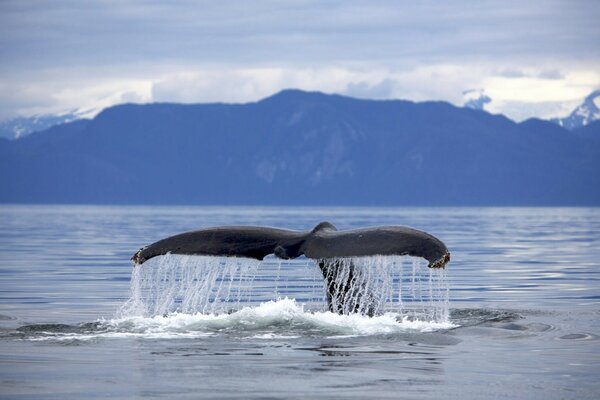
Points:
(190, 296)
(279, 319)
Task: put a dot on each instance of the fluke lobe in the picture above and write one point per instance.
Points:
(324, 243)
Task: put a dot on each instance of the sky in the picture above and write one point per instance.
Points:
(531, 58)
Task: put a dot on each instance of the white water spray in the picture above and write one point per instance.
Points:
(377, 284)
(219, 285)
(189, 284)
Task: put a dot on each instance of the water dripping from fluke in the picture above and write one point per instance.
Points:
(216, 285)
(189, 284)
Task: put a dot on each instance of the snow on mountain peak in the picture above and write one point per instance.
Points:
(19, 127)
(586, 113)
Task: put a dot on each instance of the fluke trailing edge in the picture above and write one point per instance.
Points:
(346, 292)
(323, 242)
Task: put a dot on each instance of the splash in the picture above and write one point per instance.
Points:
(376, 285)
(282, 319)
(189, 284)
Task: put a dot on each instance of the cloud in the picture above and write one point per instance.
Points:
(210, 84)
(132, 97)
(476, 99)
(511, 73)
(382, 90)
(551, 74)
(68, 54)
(207, 84)
(554, 74)
(531, 88)
(521, 110)
(56, 94)
(306, 33)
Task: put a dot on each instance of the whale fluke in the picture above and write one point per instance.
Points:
(324, 243)
(241, 241)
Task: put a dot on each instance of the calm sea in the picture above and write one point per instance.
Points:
(524, 290)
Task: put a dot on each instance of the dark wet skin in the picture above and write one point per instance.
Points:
(324, 243)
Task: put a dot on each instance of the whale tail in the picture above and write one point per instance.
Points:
(325, 244)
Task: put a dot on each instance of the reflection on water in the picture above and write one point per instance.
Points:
(524, 290)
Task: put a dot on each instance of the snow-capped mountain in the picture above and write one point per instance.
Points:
(475, 99)
(302, 148)
(584, 114)
(22, 126)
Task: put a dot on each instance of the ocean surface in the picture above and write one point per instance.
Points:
(516, 313)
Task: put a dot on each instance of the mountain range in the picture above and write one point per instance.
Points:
(584, 114)
(307, 148)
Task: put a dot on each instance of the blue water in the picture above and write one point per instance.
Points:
(524, 311)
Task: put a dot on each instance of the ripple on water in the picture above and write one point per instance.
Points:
(579, 336)
(479, 316)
